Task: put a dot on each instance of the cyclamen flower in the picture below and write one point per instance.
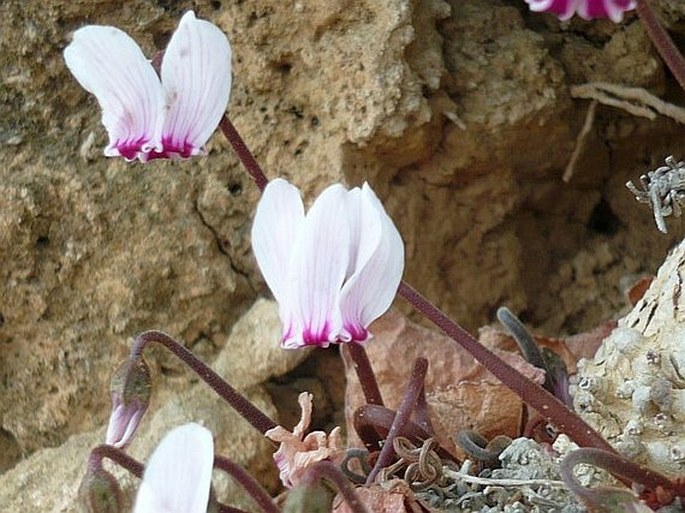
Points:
(145, 117)
(178, 476)
(334, 270)
(586, 9)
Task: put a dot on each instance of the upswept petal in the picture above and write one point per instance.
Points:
(277, 222)
(563, 9)
(317, 271)
(110, 65)
(196, 74)
(612, 9)
(178, 475)
(369, 292)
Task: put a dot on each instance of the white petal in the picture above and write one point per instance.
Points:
(318, 267)
(279, 217)
(196, 74)
(369, 292)
(178, 476)
(110, 65)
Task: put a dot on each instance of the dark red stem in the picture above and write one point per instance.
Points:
(662, 41)
(362, 366)
(411, 394)
(243, 152)
(530, 392)
(245, 408)
(249, 483)
(614, 464)
(328, 470)
(116, 455)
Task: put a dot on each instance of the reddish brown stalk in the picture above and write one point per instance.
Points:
(117, 456)
(249, 483)
(662, 41)
(243, 152)
(362, 366)
(260, 421)
(411, 394)
(326, 469)
(530, 392)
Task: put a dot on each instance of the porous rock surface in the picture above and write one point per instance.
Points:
(457, 112)
(633, 391)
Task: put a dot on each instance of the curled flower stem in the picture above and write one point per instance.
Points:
(411, 394)
(526, 342)
(614, 464)
(243, 152)
(327, 469)
(249, 483)
(245, 408)
(530, 392)
(362, 366)
(662, 41)
(372, 423)
(117, 456)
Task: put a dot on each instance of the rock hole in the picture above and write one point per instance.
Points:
(235, 189)
(10, 451)
(42, 241)
(603, 220)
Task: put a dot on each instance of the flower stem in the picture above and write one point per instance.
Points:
(260, 421)
(243, 152)
(362, 366)
(328, 470)
(116, 455)
(411, 394)
(530, 392)
(662, 41)
(249, 483)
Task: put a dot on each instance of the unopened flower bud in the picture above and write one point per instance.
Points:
(99, 492)
(130, 391)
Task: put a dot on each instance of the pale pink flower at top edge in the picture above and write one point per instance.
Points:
(147, 117)
(334, 270)
(299, 451)
(178, 475)
(586, 9)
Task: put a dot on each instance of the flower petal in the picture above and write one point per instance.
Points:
(279, 217)
(317, 271)
(178, 475)
(612, 9)
(563, 9)
(196, 74)
(110, 65)
(369, 292)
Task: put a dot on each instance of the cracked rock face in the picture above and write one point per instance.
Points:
(633, 391)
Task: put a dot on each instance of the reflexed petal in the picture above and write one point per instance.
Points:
(196, 73)
(317, 271)
(110, 65)
(178, 476)
(612, 9)
(369, 292)
(123, 423)
(279, 217)
(563, 9)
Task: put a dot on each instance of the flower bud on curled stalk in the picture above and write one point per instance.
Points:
(130, 389)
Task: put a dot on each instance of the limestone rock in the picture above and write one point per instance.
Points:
(633, 391)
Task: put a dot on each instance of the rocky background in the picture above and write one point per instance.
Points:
(459, 113)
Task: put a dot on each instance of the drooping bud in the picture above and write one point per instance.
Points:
(130, 390)
(99, 492)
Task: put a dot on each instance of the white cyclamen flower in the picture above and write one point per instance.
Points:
(178, 476)
(334, 270)
(145, 117)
